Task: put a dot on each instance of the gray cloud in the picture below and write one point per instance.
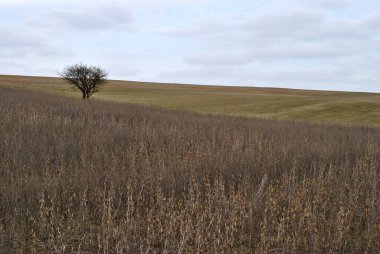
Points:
(289, 25)
(218, 59)
(284, 25)
(371, 23)
(19, 38)
(292, 52)
(297, 35)
(22, 42)
(328, 4)
(86, 19)
(11, 67)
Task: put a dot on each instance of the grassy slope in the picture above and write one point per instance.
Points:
(316, 106)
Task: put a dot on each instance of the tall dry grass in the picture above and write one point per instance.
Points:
(92, 177)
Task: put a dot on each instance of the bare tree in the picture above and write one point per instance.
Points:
(88, 79)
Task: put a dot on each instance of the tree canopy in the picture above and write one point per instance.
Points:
(88, 79)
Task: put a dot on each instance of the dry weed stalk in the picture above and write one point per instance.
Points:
(104, 178)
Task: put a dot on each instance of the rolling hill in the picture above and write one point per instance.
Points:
(287, 104)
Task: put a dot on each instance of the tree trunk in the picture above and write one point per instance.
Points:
(85, 96)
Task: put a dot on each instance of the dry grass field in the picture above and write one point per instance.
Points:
(98, 177)
(288, 104)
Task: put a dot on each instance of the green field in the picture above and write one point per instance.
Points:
(289, 104)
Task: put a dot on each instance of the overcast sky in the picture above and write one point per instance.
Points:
(311, 44)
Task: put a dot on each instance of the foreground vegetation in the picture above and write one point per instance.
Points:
(96, 177)
(288, 104)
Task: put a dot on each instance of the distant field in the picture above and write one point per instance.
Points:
(289, 104)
